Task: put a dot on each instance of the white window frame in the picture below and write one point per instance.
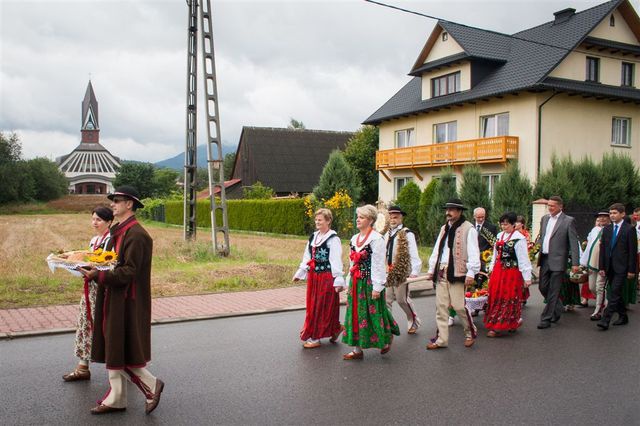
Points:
(408, 137)
(401, 181)
(621, 134)
(450, 132)
(490, 129)
(492, 180)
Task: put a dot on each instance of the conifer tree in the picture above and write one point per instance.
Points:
(336, 175)
(513, 193)
(445, 190)
(474, 191)
(408, 200)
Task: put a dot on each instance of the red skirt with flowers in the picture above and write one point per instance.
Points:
(323, 307)
(504, 307)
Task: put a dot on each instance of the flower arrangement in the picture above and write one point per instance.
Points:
(486, 255)
(533, 248)
(102, 256)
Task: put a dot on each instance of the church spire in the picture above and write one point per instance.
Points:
(90, 127)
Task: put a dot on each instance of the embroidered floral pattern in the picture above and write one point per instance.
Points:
(84, 333)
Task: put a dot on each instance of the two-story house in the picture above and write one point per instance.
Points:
(566, 87)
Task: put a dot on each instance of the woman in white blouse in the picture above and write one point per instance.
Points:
(321, 266)
(368, 322)
(510, 273)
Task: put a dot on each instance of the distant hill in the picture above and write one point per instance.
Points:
(177, 162)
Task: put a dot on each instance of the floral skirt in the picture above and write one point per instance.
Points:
(84, 330)
(504, 308)
(368, 323)
(323, 307)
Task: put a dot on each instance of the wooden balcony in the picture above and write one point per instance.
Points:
(486, 150)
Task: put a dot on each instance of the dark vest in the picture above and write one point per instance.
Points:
(320, 254)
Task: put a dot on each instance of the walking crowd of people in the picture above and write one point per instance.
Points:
(382, 265)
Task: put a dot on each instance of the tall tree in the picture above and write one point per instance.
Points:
(48, 181)
(474, 190)
(229, 160)
(360, 153)
(424, 207)
(138, 175)
(164, 182)
(336, 175)
(295, 124)
(17, 184)
(444, 191)
(409, 200)
(513, 193)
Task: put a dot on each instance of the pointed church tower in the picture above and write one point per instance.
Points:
(90, 168)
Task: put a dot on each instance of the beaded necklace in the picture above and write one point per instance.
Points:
(360, 243)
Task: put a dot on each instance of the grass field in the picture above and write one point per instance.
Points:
(179, 268)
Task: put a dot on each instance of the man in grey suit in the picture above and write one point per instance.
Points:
(559, 241)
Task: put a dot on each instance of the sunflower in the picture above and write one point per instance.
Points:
(103, 256)
(486, 255)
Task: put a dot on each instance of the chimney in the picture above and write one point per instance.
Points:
(563, 15)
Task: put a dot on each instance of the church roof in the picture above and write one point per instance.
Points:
(89, 158)
(90, 108)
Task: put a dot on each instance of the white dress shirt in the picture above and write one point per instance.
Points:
(335, 258)
(416, 262)
(547, 235)
(522, 253)
(473, 253)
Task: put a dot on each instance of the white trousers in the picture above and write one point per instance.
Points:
(597, 286)
(451, 294)
(116, 396)
(401, 295)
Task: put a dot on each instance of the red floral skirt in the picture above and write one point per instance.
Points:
(504, 307)
(323, 307)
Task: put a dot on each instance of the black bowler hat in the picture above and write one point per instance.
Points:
(455, 203)
(129, 192)
(396, 209)
(602, 212)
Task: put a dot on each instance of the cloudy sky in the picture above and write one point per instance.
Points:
(327, 63)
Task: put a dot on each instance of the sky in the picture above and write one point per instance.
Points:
(329, 64)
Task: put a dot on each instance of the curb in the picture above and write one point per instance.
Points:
(419, 292)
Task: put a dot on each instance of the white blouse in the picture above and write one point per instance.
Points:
(335, 258)
(98, 241)
(522, 253)
(378, 256)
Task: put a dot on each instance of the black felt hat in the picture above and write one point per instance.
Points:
(454, 203)
(602, 212)
(128, 192)
(396, 209)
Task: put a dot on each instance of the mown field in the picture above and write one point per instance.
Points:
(179, 268)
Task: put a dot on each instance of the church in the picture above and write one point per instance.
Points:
(90, 168)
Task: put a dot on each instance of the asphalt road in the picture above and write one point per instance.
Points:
(253, 370)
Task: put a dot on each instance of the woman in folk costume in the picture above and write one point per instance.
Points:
(589, 260)
(101, 219)
(511, 272)
(368, 322)
(322, 268)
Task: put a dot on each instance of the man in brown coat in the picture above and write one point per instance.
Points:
(122, 334)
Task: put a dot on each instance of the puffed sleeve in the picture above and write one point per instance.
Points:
(378, 266)
(473, 253)
(433, 259)
(301, 273)
(335, 259)
(416, 262)
(495, 252)
(524, 264)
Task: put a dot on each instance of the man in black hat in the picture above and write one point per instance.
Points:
(122, 337)
(453, 265)
(403, 262)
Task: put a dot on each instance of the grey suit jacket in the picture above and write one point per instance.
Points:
(563, 242)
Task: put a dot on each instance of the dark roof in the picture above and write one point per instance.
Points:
(520, 61)
(589, 88)
(610, 44)
(287, 160)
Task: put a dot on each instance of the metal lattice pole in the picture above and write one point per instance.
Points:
(220, 232)
(190, 153)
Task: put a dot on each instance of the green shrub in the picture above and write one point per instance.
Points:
(408, 200)
(474, 190)
(423, 208)
(513, 193)
(445, 190)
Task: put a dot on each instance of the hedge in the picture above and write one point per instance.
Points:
(276, 216)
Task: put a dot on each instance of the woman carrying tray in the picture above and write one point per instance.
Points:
(101, 219)
(511, 272)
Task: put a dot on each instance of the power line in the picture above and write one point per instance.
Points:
(424, 15)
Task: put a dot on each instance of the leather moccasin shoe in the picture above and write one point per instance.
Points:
(353, 355)
(596, 317)
(104, 409)
(77, 374)
(311, 345)
(468, 342)
(150, 406)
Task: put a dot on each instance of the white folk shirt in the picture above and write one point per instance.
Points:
(416, 262)
(473, 253)
(524, 264)
(378, 259)
(335, 258)
(547, 235)
(591, 239)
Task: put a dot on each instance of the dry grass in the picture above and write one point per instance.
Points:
(179, 268)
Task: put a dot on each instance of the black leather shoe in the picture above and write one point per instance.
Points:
(544, 325)
(555, 319)
(603, 325)
(596, 317)
(622, 321)
(104, 409)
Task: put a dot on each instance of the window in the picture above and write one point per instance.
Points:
(445, 84)
(491, 181)
(593, 69)
(621, 131)
(445, 132)
(445, 36)
(612, 21)
(494, 125)
(627, 74)
(399, 183)
(405, 138)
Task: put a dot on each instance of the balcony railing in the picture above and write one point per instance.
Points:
(487, 150)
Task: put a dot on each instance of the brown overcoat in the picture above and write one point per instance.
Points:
(122, 326)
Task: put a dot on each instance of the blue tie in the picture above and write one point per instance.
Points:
(615, 235)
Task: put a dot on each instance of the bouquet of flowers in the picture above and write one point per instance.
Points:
(533, 248)
(73, 260)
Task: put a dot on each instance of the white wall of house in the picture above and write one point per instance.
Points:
(442, 49)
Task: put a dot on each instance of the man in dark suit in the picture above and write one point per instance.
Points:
(559, 241)
(483, 227)
(618, 262)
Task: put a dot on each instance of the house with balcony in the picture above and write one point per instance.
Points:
(568, 87)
